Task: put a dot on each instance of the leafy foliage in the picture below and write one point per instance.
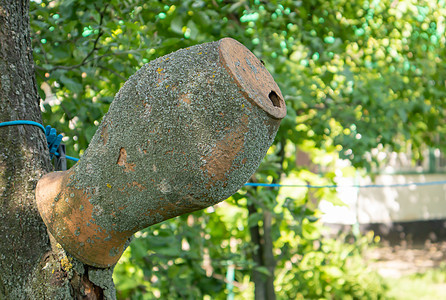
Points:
(356, 76)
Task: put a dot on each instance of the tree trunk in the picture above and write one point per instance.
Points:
(31, 266)
(263, 256)
(256, 239)
(268, 255)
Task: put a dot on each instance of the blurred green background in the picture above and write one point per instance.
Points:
(356, 75)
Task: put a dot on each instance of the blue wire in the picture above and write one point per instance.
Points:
(67, 157)
(53, 139)
(23, 122)
(72, 158)
(310, 186)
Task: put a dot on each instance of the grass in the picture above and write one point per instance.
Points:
(428, 285)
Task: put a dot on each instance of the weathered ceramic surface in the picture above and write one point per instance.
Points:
(185, 132)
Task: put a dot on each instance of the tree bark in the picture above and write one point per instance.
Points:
(268, 255)
(31, 266)
(263, 256)
(257, 277)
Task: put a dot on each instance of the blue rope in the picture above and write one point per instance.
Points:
(70, 157)
(53, 139)
(23, 122)
(310, 186)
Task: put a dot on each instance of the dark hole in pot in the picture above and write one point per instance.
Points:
(275, 100)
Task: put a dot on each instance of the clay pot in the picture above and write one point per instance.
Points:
(184, 132)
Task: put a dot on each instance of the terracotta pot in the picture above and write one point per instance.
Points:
(184, 132)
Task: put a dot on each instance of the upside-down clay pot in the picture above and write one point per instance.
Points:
(185, 132)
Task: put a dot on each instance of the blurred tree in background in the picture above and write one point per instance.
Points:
(356, 76)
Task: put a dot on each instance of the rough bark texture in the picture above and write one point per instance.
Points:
(257, 277)
(32, 264)
(31, 267)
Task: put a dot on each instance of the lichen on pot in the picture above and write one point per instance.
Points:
(185, 132)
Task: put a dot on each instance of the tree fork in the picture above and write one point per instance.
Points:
(224, 117)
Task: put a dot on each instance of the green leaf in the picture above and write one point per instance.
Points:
(171, 42)
(263, 270)
(254, 219)
(71, 84)
(176, 25)
(193, 29)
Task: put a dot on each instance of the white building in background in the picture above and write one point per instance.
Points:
(414, 211)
